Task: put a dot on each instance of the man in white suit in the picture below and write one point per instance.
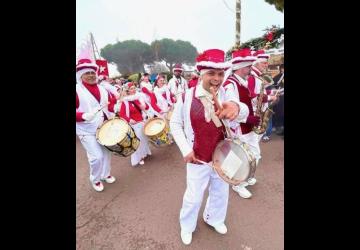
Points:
(93, 105)
(197, 129)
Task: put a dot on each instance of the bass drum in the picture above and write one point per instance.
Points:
(157, 130)
(118, 137)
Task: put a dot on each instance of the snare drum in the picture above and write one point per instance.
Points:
(118, 137)
(233, 161)
(157, 130)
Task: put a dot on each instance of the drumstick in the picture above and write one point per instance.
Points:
(101, 107)
(205, 163)
(217, 103)
(279, 90)
(179, 93)
(220, 108)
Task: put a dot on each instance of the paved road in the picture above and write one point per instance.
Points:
(141, 209)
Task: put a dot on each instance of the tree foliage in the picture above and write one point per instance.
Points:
(129, 55)
(279, 4)
(173, 52)
(262, 42)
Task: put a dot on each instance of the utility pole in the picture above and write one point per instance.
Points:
(237, 24)
(94, 47)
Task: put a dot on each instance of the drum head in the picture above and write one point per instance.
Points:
(231, 162)
(112, 131)
(154, 126)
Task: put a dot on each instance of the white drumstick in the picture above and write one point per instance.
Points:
(179, 93)
(279, 91)
(220, 107)
(102, 107)
(205, 163)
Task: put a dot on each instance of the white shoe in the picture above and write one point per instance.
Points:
(186, 237)
(251, 181)
(109, 179)
(242, 191)
(142, 162)
(221, 229)
(98, 186)
(266, 138)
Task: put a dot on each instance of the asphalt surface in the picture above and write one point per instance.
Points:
(141, 209)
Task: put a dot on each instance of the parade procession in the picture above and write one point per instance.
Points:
(154, 139)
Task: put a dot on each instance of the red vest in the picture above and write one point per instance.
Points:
(206, 134)
(244, 95)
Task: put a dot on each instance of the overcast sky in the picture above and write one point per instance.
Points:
(205, 23)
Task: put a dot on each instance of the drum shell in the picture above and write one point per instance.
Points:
(163, 137)
(246, 162)
(127, 145)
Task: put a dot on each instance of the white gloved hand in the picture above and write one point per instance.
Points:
(88, 116)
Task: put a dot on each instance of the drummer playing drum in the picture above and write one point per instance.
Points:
(93, 105)
(197, 129)
(131, 110)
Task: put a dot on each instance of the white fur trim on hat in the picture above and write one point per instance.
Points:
(241, 59)
(213, 65)
(240, 65)
(178, 69)
(87, 65)
(260, 60)
(263, 56)
(81, 72)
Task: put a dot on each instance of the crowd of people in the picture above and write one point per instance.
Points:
(196, 123)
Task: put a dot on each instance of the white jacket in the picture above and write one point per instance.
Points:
(180, 123)
(87, 103)
(181, 87)
(162, 102)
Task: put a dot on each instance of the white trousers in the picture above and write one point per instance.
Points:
(98, 156)
(252, 139)
(143, 149)
(197, 180)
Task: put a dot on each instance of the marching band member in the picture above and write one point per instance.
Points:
(92, 109)
(177, 83)
(131, 109)
(197, 130)
(165, 99)
(259, 68)
(151, 101)
(104, 81)
(241, 67)
(194, 79)
(145, 82)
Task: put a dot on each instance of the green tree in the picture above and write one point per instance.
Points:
(173, 52)
(279, 4)
(129, 55)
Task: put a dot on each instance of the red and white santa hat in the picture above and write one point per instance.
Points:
(261, 56)
(83, 66)
(211, 59)
(242, 58)
(178, 67)
(130, 84)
